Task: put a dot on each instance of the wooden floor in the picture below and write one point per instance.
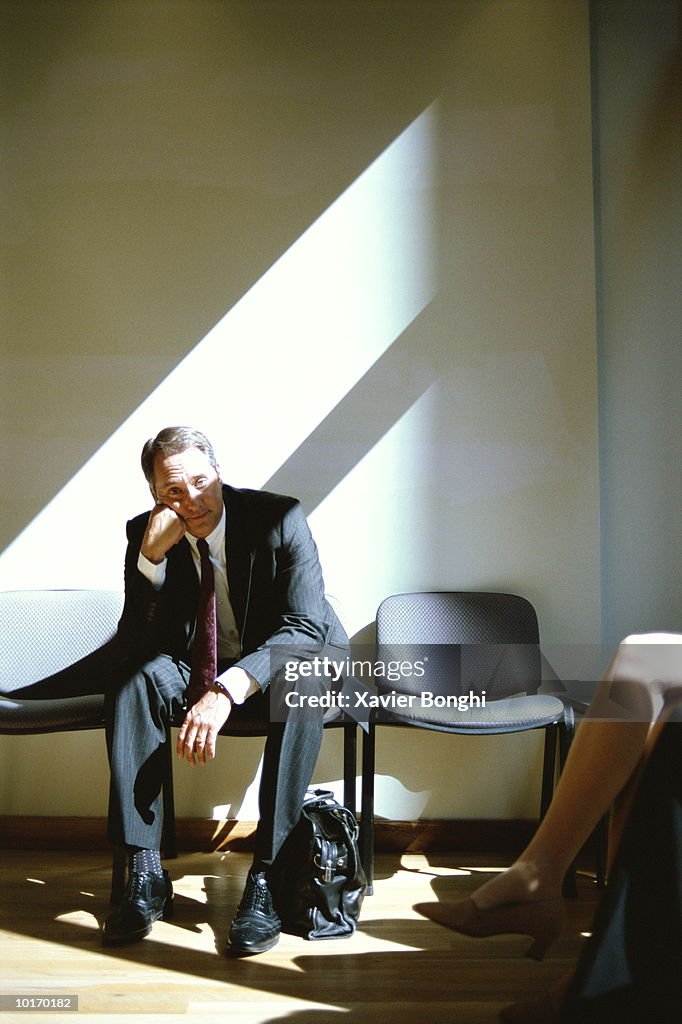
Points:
(398, 968)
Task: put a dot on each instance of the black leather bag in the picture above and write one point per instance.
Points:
(317, 880)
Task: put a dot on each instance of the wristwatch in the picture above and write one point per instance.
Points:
(219, 688)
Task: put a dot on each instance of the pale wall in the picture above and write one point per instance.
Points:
(637, 51)
(163, 157)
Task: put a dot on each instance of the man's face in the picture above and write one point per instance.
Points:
(189, 485)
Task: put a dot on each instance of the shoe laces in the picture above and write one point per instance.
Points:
(137, 883)
(257, 895)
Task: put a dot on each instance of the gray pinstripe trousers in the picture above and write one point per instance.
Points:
(138, 710)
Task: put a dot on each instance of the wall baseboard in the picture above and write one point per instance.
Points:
(29, 832)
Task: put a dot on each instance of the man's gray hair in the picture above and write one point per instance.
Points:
(173, 441)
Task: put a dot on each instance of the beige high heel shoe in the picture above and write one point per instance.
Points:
(542, 920)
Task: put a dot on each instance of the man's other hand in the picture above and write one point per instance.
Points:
(203, 722)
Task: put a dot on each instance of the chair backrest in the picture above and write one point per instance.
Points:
(460, 641)
(44, 631)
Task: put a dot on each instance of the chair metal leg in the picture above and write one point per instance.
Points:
(367, 806)
(350, 748)
(548, 769)
(600, 835)
(566, 734)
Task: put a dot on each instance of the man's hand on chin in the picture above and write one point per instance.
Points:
(204, 720)
(164, 529)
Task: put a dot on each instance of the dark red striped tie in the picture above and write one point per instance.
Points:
(204, 657)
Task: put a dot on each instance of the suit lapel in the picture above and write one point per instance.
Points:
(239, 554)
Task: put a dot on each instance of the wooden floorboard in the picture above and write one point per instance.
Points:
(398, 968)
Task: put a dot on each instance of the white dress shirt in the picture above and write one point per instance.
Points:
(238, 683)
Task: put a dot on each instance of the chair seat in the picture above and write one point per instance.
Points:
(515, 714)
(57, 715)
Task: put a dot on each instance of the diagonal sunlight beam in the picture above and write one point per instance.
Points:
(362, 418)
(269, 371)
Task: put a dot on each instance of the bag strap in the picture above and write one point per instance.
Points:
(351, 831)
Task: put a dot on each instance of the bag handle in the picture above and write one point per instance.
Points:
(325, 798)
(316, 797)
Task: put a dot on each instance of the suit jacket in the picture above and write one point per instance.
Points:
(275, 583)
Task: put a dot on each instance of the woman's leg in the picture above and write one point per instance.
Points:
(601, 764)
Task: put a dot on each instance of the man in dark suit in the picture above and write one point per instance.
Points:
(270, 605)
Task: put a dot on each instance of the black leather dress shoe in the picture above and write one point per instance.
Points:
(147, 898)
(256, 926)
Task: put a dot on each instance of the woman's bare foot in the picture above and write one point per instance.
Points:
(523, 882)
